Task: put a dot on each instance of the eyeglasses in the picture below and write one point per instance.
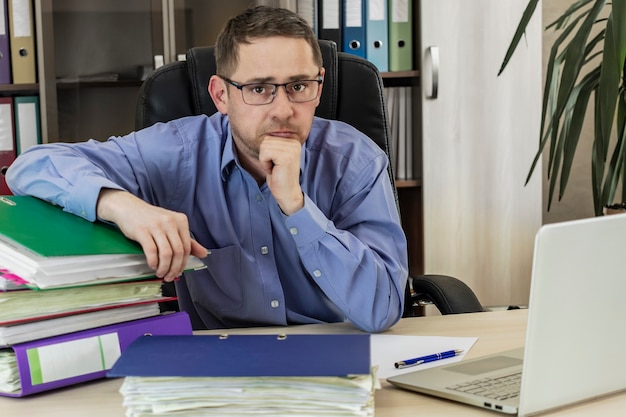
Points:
(258, 94)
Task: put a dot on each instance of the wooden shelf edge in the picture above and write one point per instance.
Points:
(408, 183)
(98, 84)
(400, 74)
(19, 88)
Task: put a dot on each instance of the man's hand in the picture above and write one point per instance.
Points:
(163, 234)
(280, 158)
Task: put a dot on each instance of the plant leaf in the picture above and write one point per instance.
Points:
(574, 59)
(562, 20)
(576, 114)
(551, 112)
(616, 166)
(519, 32)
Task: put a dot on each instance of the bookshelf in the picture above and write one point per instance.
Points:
(465, 211)
(410, 189)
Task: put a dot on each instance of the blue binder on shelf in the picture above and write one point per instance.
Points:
(377, 34)
(246, 356)
(329, 21)
(353, 27)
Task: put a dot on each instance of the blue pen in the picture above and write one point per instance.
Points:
(428, 358)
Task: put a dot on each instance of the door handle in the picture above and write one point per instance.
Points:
(430, 72)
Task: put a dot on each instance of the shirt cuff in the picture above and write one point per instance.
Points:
(308, 224)
(83, 200)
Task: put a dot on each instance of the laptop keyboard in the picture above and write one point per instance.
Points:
(500, 388)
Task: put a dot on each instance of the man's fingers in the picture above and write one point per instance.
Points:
(150, 250)
(163, 234)
(198, 250)
(165, 255)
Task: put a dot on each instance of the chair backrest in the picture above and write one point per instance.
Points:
(352, 93)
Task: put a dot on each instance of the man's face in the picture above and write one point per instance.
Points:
(273, 60)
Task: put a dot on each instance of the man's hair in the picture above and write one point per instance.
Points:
(260, 22)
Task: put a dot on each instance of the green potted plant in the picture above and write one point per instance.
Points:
(587, 64)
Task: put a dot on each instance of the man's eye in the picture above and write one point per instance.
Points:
(299, 87)
(259, 89)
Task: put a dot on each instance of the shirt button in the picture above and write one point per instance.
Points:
(264, 250)
(293, 230)
(317, 273)
(274, 303)
(259, 198)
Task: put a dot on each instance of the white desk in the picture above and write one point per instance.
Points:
(496, 331)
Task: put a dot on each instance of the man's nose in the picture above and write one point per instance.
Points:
(282, 88)
(282, 107)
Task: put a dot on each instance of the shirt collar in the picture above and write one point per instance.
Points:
(229, 157)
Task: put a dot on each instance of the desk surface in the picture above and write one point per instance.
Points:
(496, 331)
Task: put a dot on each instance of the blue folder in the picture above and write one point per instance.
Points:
(245, 356)
(353, 27)
(377, 34)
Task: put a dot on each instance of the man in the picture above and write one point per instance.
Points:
(293, 215)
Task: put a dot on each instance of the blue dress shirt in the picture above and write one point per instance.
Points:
(343, 256)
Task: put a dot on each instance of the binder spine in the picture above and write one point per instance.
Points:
(377, 34)
(354, 27)
(7, 141)
(330, 21)
(27, 122)
(22, 44)
(5, 52)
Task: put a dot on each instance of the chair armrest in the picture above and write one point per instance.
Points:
(450, 295)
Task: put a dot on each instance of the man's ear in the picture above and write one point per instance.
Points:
(217, 90)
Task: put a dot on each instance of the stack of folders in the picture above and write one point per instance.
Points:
(380, 31)
(73, 295)
(240, 375)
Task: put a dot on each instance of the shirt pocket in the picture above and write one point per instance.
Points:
(222, 289)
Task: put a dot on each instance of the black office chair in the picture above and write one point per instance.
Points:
(353, 93)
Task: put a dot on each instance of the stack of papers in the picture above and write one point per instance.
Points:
(40, 329)
(28, 305)
(9, 281)
(48, 247)
(257, 396)
(73, 295)
(239, 375)
(9, 375)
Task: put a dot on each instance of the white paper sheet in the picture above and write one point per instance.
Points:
(389, 349)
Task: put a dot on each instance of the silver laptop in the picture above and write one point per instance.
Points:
(576, 335)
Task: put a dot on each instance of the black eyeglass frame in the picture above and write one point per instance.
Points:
(240, 87)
